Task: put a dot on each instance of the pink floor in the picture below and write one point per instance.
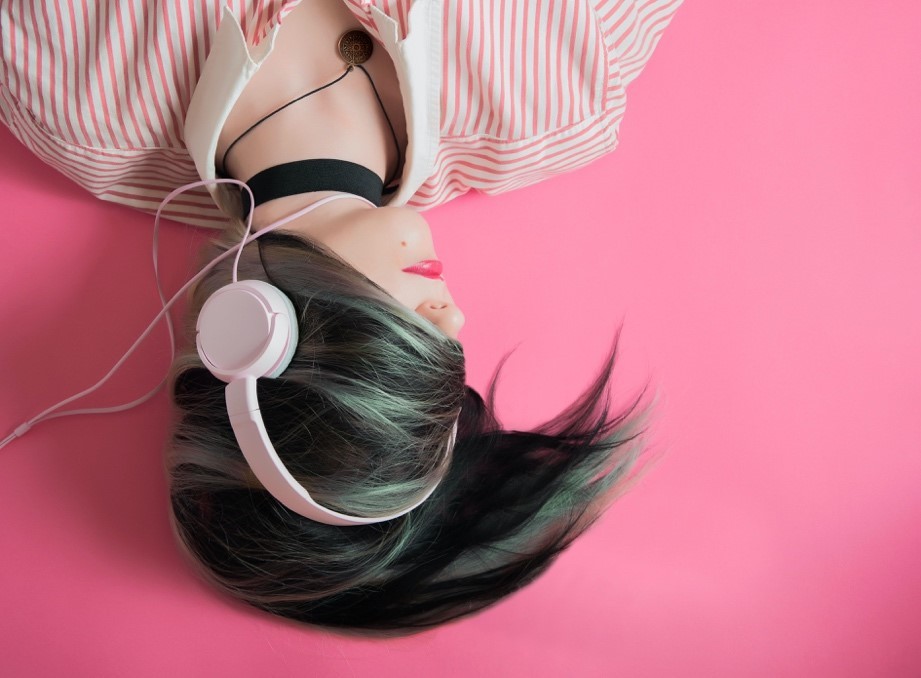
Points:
(759, 235)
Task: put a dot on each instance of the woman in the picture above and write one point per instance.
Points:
(453, 96)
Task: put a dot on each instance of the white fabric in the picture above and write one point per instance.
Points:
(232, 63)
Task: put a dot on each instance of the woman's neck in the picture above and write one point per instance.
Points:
(316, 224)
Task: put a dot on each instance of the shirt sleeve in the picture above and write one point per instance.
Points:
(632, 29)
(99, 91)
(364, 11)
(546, 101)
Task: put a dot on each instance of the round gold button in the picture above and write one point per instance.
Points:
(355, 47)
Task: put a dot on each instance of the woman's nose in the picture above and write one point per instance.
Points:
(443, 314)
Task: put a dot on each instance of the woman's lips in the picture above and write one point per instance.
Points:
(430, 268)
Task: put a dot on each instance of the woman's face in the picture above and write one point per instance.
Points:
(382, 243)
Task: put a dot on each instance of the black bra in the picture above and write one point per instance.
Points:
(322, 174)
(312, 175)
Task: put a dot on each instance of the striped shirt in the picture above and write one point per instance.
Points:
(99, 89)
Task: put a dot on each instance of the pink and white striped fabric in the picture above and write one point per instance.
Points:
(530, 88)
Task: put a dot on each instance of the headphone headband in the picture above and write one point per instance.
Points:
(249, 429)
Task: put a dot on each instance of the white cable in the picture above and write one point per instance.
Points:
(52, 413)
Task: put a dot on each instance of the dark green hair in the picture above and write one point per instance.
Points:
(362, 418)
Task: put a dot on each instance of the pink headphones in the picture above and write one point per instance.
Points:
(247, 330)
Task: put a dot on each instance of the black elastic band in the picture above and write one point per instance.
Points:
(314, 174)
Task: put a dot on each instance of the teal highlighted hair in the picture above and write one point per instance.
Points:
(362, 417)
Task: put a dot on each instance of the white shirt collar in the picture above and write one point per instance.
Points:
(232, 63)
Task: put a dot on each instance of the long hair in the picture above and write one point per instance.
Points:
(362, 418)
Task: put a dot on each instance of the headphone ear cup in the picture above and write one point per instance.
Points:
(247, 329)
(293, 334)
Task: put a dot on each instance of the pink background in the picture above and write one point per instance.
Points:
(758, 232)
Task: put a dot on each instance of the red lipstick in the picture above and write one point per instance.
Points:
(430, 268)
